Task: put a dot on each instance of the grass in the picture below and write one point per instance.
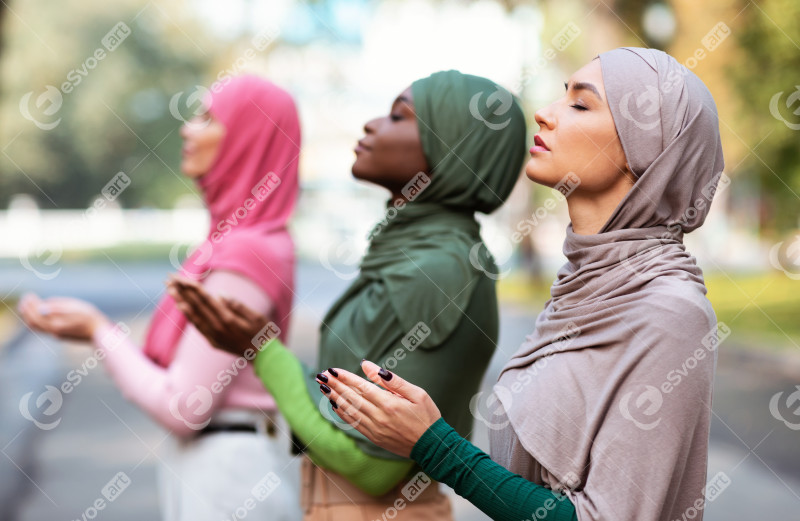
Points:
(125, 252)
(762, 309)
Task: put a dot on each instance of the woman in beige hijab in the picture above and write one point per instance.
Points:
(608, 401)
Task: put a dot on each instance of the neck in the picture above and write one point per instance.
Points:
(589, 211)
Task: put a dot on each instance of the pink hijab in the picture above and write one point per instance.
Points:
(250, 193)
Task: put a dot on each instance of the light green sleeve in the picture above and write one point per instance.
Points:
(326, 444)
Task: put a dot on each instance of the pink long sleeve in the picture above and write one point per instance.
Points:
(200, 379)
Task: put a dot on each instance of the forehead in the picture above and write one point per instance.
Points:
(405, 97)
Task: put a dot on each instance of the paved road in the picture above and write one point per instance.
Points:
(58, 473)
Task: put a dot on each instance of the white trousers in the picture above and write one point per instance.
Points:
(230, 476)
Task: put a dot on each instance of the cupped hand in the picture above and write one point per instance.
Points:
(226, 323)
(64, 317)
(393, 418)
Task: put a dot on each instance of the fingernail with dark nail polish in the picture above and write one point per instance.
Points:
(333, 372)
(383, 373)
(322, 377)
(324, 388)
(333, 404)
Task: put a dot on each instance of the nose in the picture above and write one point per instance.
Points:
(370, 126)
(544, 117)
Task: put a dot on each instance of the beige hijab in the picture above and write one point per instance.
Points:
(611, 393)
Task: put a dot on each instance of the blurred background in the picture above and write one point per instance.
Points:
(93, 90)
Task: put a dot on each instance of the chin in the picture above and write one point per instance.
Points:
(190, 170)
(540, 176)
(359, 172)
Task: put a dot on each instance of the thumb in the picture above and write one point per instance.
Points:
(392, 382)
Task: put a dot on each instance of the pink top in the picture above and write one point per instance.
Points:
(200, 379)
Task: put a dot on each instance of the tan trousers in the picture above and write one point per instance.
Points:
(327, 496)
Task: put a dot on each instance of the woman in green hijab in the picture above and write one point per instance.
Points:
(424, 300)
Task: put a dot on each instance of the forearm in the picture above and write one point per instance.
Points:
(140, 380)
(327, 446)
(498, 492)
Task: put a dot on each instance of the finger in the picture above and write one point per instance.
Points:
(192, 315)
(183, 305)
(28, 299)
(212, 303)
(358, 391)
(181, 280)
(204, 307)
(31, 316)
(393, 382)
(239, 309)
(360, 423)
(240, 316)
(351, 411)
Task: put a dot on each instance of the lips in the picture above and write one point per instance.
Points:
(361, 147)
(539, 142)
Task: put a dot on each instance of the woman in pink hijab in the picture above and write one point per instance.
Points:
(228, 451)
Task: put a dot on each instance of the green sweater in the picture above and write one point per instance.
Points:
(499, 493)
(441, 452)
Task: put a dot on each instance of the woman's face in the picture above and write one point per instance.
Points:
(577, 135)
(202, 137)
(390, 154)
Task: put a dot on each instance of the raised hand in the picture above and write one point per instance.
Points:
(393, 417)
(64, 317)
(226, 323)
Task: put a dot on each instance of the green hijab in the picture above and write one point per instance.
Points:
(426, 262)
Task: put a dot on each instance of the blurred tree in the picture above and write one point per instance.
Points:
(768, 87)
(86, 93)
(633, 14)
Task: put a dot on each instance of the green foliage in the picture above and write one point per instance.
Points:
(760, 306)
(115, 117)
(768, 34)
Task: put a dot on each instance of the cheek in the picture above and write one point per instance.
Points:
(396, 148)
(210, 146)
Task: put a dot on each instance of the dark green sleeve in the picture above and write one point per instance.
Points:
(328, 447)
(499, 493)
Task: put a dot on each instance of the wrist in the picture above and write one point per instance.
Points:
(431, 437)
(98, 324)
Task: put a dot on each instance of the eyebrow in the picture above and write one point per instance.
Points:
(582, 85)
(404, 100)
